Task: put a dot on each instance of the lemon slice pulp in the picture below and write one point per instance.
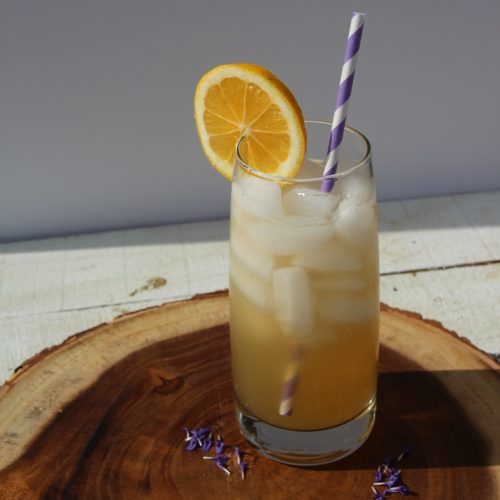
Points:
(245, 99)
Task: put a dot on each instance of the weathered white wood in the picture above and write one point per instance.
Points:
(77, 272)
(440, 231)
(50, 289)
(465, 300)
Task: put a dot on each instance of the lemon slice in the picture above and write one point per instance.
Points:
(245, 99)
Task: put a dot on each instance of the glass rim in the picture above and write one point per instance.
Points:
(296, 180)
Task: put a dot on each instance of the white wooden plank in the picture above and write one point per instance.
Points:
(482, 212)
(465, 300)
(440, 231)
(64, 274)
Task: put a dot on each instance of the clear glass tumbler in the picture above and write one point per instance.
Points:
(304, 303)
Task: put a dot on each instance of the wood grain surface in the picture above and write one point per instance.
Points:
(101, 415)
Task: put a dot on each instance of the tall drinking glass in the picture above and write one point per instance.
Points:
(304, 303)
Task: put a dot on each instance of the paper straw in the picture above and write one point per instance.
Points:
(291, 380)
(343, 95)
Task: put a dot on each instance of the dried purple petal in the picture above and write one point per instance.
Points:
(394, 478)
(238, 453)
(202, 437)
(223, 468)
(201, 432)
(219, 445)
(402, 488)
(243, 469)
(192, 445)
(221, 462)
(221, 459)
(377, 495)
(207, 443)
(391, 477)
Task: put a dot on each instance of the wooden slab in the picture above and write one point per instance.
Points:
(101, 415)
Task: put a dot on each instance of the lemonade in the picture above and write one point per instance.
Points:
(304, 274)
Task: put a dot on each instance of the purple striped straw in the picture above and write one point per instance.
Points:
(343, 95)
(291, 381)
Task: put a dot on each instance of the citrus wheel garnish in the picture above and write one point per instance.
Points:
(233, 100)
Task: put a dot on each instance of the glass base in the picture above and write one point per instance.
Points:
(307, 448)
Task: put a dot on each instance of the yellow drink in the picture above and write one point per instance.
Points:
(338, 366)
(338, 370)
(304, 299)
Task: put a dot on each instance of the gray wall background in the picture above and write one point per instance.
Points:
(96, 125)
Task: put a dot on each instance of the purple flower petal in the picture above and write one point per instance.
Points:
(221, 459)
(394, 478)
(395, 489)
(243, 469)
(192, 445)
(387, 474)
(219, 445)
(239, 454)
(201, 432)
(225, 469)
(206, 444)
(221, 462)
(402, 488)
(377, 495)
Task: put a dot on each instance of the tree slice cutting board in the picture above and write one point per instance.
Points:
(101, 415)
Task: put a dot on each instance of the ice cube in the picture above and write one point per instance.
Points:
(294, 306)
(259, 264)
(354, 223)
(257, 291)
(312, 202)
(335, 258)
(257, 197)
(338, 308)
(355, 187)
(239, 217)
(291, 235)
(340, 283)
